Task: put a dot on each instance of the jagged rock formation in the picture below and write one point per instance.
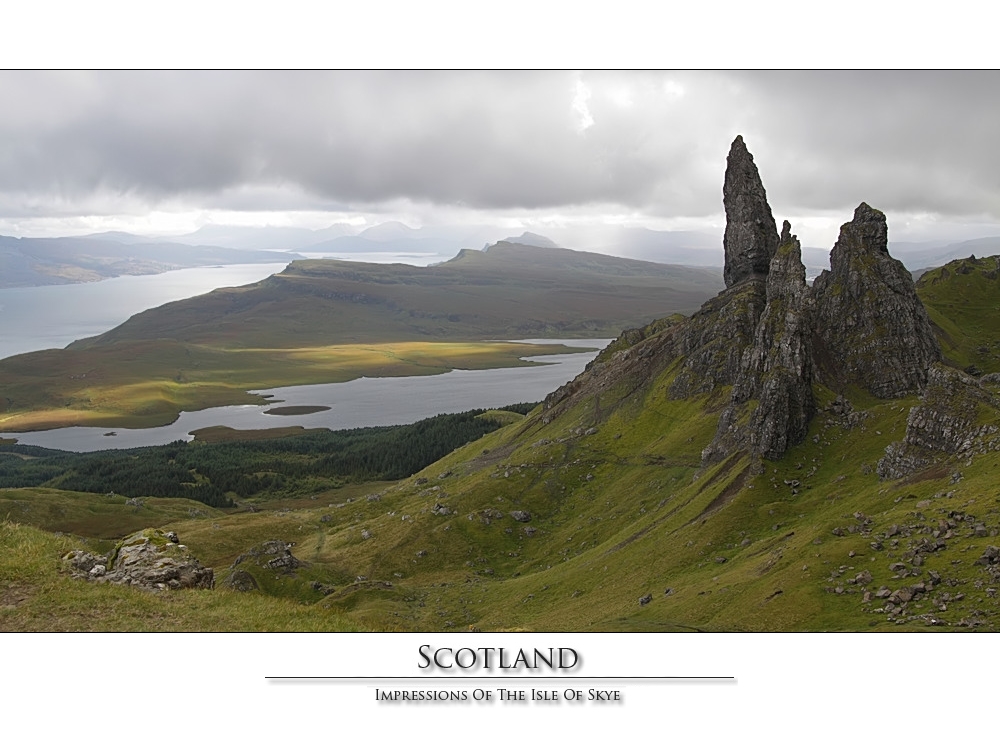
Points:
(769, 335)
(150, 559)
(714, 339)
(751, 236)
(945, 425)
(775, 369)
(871, 328)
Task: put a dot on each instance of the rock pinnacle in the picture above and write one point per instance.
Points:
(751, 237)
(875, 330)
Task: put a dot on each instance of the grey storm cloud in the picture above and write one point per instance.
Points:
(912, 141)
(654, 142)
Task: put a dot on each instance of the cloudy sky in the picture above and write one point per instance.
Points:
(165, 152)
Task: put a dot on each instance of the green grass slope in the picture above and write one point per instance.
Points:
(36, 595)
(963, 301)
(108, 516)
(621, 509)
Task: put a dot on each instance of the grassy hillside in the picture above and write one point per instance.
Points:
(597, 514)
(963, 301)
(38, 596)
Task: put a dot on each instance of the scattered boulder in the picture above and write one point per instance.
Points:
(521, 516)
(863, 577)
(273, 555)
(323, 589)
(990, 556)
(903, 594)
(150, 559)
(80, 562)
(241, 581)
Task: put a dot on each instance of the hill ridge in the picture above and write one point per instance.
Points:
(543, 292)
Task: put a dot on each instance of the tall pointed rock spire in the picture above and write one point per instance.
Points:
(751, 237)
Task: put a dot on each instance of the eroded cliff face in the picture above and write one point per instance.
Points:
(948, 423)
(871, 328)
(714, 339)
(769, 336)
(775, 369)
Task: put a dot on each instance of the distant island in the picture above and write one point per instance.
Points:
(26, 261)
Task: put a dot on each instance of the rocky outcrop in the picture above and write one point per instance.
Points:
(751, 237)
(871, 328)
(711, 343)
(778, 371)
(946, 425)
(862, 320)
(775, 369)
(714, 339)
(150, 559)
(273, 556)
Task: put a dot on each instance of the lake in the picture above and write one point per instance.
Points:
(354, 404)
